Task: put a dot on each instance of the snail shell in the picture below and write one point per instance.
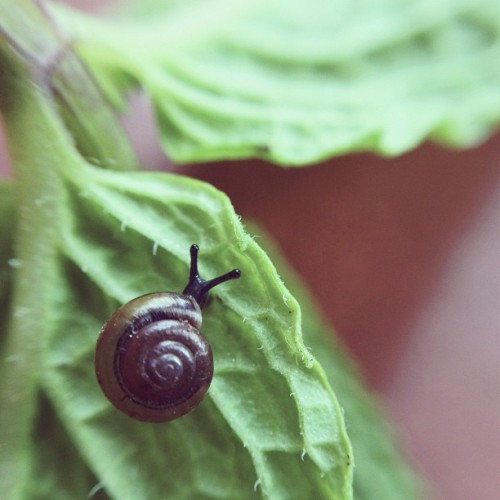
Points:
(151, 360)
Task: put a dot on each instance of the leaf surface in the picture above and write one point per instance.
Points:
(270, 409)
(296, 82)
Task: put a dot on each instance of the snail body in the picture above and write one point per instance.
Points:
(151, 360)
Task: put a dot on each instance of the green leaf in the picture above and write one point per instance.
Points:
(88, 241)
(269, 409)
(301, 81)
(206, 444)
(56, 469)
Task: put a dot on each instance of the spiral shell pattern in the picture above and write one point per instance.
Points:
(162, 364)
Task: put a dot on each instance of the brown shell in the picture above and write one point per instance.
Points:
(151, 361)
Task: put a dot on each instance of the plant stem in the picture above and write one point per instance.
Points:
(31, 136)
(41, 147)
(49, 57)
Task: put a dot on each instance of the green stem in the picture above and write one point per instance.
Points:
(34, 141)
(41, 146)
(34, 38)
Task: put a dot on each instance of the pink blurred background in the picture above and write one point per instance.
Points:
(403, 255)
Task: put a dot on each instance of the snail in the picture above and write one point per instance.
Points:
(151, 360)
